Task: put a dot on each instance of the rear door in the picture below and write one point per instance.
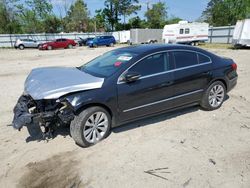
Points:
(151, 92)
(191, 76)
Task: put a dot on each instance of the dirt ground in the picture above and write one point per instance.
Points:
(187, 148)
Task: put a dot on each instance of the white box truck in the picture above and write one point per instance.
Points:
(185, 33)
(241, 36)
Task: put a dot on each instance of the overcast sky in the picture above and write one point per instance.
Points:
(186, 9)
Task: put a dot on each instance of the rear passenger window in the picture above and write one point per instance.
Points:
(151, 65)
(185, 59)
(203, 59)
(181, 31)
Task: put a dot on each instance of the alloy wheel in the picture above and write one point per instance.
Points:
(216, 96)
(95, 127)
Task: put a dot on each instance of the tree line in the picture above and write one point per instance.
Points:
(41, 16)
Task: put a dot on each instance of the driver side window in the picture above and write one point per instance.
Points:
(152, 65)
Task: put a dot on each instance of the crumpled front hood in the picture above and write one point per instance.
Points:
(54, 82)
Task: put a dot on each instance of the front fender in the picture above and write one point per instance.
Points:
(80, 100)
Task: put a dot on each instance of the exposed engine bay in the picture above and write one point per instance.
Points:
(45, 114)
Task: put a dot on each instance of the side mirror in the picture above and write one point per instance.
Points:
(131, 76)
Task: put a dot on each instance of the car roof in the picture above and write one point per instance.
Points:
(150, 48)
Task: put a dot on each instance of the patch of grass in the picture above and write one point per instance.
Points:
(216, 46)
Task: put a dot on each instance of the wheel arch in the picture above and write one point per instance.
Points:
(221, 80)
(79, 110)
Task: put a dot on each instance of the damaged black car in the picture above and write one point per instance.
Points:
(121, 86)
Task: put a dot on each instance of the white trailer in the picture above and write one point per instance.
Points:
(185, 33)
(241, 36)
(122, 36)
(145, 36)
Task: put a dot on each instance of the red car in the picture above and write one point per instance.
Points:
(58, 43)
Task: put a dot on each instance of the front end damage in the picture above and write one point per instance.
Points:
(45, 115)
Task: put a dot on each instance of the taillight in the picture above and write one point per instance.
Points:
(234, 66)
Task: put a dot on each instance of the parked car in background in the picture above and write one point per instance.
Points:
(121, 86)
(102, 41)
(83, 41)
(58, 43)
(26, 43)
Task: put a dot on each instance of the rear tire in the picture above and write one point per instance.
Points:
(111, 44)
(214, 96)
(90, 126)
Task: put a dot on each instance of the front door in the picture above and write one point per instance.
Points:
(149, 94)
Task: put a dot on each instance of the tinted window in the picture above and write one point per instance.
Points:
(203, 59)
(187, 31)
(58, 40)
(184, 59)
(108, 63)
(181, 31)
(151, 65)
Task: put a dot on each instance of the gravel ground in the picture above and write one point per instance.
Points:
(187, 148)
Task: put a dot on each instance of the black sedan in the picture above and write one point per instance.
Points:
(83, 41)
(121, 86)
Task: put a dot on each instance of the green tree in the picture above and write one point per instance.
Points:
(128, 7)
(226, 12)
(32, 15)
(137, 22)
(8, 19)
(115, 9)
(173, 20)
(99, 20)
(157, 15)
(52, 24)
(111, 13)
(77, 17)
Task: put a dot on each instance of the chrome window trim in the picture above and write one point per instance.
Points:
(164, 72)
(164, 100)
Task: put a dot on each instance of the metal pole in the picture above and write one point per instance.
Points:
(228, 36)
(211, 34)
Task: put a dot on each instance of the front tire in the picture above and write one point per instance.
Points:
(90, 126)
(70, 46)
(214, 96)
(21, 47)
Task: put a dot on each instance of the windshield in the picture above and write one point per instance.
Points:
(108, 63)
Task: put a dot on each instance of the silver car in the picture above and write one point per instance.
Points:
(26, 43)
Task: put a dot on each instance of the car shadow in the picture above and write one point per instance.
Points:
(35, 133)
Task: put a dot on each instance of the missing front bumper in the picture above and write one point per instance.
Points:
(22, 116)
(33, 115)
